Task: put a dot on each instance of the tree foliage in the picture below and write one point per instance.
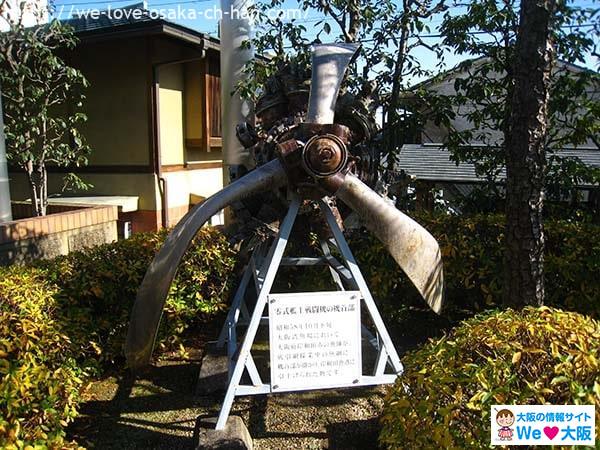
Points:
(487, 30)
(388, 32)
(43, 105)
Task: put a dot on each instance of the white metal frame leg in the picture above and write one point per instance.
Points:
(262, 269)
(236, 306)
(342, 245)
(271, 263)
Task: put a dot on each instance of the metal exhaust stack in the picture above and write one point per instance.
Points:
(236, 28)
(5, 208)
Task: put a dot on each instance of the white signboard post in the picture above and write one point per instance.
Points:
(314, 340)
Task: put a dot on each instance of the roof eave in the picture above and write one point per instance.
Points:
(148, 29)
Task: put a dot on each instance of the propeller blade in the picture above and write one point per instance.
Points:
(152, 294)
(329, 64)
(414, 249)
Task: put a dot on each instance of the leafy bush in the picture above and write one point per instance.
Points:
(205, 276)
(39, 379)
(572, 266)
(68, 316)
(537, 356)
(472, 253)
(97, 288)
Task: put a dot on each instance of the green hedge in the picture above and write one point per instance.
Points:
(472, 253)
(537, 356)
(65, 318)
(62, 318)
(97, 288)
(39, 378)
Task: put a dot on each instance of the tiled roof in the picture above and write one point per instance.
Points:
(433, 163)
(96, 20)
(136, 18)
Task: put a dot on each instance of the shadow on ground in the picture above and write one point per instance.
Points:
(159, 409)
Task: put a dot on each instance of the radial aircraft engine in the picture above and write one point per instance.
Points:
(303, 150)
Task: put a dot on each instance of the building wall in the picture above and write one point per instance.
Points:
(22, 241)
(194, 100)
(188, 169)
(433, 133)
(437, 134)
(118, 126)
(171, 110)
(141, 185)
(183, 184)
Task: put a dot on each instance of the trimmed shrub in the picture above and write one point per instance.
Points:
(536, 356)
(66, 317)
(203, 281)
(39, 379)
(572, 266)
(472, 252)
(97, 288)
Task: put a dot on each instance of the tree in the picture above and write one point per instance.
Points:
(525, 157)
(522, 123)
(400, 36)
(43, 100)
(487, 30)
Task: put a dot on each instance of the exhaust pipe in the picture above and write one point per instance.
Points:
(236, 28)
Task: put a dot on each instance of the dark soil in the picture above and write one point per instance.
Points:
(159, 409)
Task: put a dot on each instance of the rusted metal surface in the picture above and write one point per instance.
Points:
(151, 297)
(414, 249)
(324, 155)
(315, 159)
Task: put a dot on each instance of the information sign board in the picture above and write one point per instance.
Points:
(315, 340)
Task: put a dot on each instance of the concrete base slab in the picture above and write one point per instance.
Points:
(213, 371)
(234, 436)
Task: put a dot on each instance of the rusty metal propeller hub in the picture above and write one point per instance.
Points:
(324, 155)
(316, 158)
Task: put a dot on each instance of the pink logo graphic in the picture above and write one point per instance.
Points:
(505, 419)
(551, 432)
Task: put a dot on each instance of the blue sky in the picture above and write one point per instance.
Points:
(200, 15)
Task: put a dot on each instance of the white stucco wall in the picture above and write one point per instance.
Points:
(204, 182)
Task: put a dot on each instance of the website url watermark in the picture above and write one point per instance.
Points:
(177, 12)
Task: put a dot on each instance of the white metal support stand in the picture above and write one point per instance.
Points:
(262, 268)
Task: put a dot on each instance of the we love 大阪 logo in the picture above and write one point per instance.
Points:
(543, 425)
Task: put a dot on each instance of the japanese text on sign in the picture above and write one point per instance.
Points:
(314, 340)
